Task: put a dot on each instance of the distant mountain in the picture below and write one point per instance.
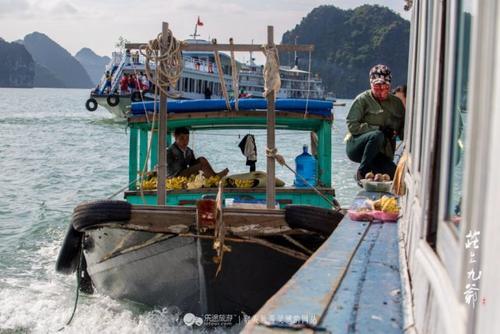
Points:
(94, 65)
(349, 42)
(57, 60)
(45, 78)
(17, 68)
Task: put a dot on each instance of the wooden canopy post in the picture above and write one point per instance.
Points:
(162, 133)
(271, 182)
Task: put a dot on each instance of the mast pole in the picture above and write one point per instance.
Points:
(270, 184)
(162, 131)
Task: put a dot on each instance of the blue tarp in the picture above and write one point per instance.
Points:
(318, 107)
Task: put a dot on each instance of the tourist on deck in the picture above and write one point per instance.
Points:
(107, 84)
(242, 93)
(375, 119)
(181, 160)
(124, 84)
(127, 57)
(135, 57)
(131, 83)
(144, 82)
(208, 93)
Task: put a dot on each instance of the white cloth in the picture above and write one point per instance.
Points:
(250, 150)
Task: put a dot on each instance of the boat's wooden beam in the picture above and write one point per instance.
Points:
(232, 47)
(162, 221)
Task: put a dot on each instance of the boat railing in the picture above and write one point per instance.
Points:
(117, 75)
(200, 65)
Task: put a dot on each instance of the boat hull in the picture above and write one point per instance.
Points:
(167, 270)
(120, 110)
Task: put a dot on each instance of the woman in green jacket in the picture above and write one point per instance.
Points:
(374, 121)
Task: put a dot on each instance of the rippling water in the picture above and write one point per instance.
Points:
(53, 155)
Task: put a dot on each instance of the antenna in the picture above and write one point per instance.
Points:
(251, 57)
(198, 23)
(195, 34)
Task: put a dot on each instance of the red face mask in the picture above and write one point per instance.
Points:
(380, 91)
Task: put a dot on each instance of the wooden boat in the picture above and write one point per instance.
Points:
(163, 256)
(182, 248)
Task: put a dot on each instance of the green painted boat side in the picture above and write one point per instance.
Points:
(298, 196)
(141, 132)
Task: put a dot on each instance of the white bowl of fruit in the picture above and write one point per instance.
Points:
(377, 182)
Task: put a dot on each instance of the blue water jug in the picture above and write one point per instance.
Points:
(305, 165)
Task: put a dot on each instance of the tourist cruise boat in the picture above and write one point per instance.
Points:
(436, 270)
(200, 72)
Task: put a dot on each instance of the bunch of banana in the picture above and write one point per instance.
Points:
(389, 204)
(176, 183)
(212, 181)
(196, 182)
(244, 183)
(149, 184)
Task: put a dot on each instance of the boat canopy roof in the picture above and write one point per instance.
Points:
(295, 114)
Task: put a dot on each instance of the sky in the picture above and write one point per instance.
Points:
(98, 24)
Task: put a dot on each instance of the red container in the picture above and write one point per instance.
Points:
(206, 212)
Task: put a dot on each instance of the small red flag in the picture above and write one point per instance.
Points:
(199, 23)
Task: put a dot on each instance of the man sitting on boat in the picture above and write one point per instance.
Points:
(375, 119)
(181, 160)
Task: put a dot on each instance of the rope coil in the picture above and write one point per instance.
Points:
(167, 56)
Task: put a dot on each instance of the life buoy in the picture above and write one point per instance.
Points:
(113, 100)
(91, 104)
(136, 96)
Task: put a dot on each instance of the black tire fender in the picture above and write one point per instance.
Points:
(320, 220)
(90, 214)
(113, 100)
(91, 104)
(68, 258)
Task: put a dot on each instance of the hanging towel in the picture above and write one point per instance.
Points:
(249, 150)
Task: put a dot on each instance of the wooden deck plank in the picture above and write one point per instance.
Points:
(310, 290)
(341, 312)
(368, 300)
(380, 309)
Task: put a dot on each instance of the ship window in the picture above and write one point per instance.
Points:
(459, 114)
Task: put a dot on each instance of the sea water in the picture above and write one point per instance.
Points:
(55, 154)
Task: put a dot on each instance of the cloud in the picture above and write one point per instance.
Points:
(37, 9)
(14, 8)
(63, 8)
(220, 7)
